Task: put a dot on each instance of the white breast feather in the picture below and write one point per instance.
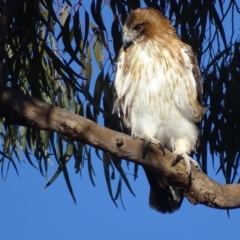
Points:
(157, 101)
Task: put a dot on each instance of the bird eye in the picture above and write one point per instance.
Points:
(138, 27)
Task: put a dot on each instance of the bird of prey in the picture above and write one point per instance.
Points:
(159, 94)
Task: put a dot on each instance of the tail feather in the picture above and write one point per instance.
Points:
(163, 197)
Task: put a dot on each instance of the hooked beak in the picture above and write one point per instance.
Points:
(127, 40)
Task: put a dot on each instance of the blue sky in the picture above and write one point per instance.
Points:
(29, 212)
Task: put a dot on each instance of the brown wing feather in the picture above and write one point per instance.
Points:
(197, 74)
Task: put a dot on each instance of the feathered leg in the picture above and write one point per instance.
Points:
(182, 149)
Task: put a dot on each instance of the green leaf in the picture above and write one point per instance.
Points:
(67, 42)
(219, 25)
(89, 112)
(106, 164)
(97, 49)
(96, 14)
(119, 189)
(117, 163)
(135, 171)
(68, 182)
(10, 161)
(90, 167)
(54, 177)
(117, 36)
(69, 149)
(86, 29)
(78, 156)
(64, 15)
(44, 136)
(78, 33)
(98, 93)
(87, 71)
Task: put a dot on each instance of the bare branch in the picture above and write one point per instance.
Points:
(20, 109)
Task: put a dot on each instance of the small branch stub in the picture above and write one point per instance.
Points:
(119, 142)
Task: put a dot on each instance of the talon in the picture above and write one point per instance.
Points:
(135, 136)
(185, 157)
(162, 148)
(147, 142)
(187, 161)
(196, 164)
(145, 148)
(159, 145)
(176, 160)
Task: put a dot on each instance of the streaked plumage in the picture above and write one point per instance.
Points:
(158, 87)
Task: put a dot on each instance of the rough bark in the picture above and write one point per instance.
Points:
(20, 109)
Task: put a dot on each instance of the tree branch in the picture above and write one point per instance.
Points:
(20, 109)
